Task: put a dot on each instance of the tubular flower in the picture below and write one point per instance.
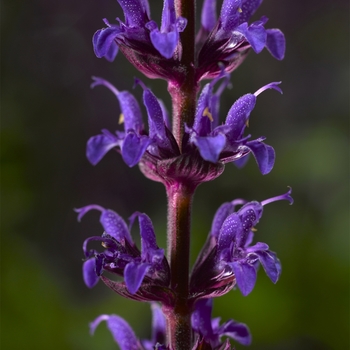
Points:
(157, 52)
(228, 253)
(225, 142)
(205, 150)
(125, 337)
(151, 50)
(229, 38)
(134, 141)
(209, 330)
(146, 272)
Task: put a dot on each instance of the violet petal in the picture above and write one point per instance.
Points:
(210, 147)
(263, 154)
(276, 43)
(89, 274)
(134, 147)
(134, 274)
(120, 329)
(97, 146)
(245, 276)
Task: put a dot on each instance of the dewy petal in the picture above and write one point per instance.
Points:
(230, 228)
(115, 226)
(97, 146)
(134, 274)
(222, 213)
(120, 329)
(238, 115)
(245, 276)
(263, 154)
(230, 14)
(134, 147)
(276, 43)
(89, 273)
(270, 263)
(255, 35)
(248, 9)
(210, 147)
(237, 331)
(209, 17)
(150, 251)
(135, 12)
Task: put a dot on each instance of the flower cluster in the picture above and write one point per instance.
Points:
(216, 143)
(157, 53)
(227, 259)
(182, 153)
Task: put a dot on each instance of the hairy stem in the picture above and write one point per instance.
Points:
(184, 95)
(179, 226)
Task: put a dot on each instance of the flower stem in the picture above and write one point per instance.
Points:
(184, 94)
(179, 225)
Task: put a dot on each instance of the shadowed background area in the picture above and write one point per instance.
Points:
(48, 114)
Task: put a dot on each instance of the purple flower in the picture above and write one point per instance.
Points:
(209, 330)
(121, 256)
(225, 142)
(229, 38)
(156, 149)
(228, 252)
(151, 50)
(125, 336)
(134, 140)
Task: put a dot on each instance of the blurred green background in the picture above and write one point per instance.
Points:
(49, 112)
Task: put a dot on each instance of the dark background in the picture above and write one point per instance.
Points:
(49, 112)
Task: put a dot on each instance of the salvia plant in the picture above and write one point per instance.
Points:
(182, 152)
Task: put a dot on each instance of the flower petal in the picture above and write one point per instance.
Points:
(245, 276)
(134, 274)
(238, 115)
(263, 154)
(255, 35)
(115, 226)
(237, 331)
(230, 14)
(120, 329)
(89, 275)
(129, 106)
(135, 12)
(210, 147)
(165, 43)
(231, 227)
(209, 16)
(104, 44)
(248, 9)
(276, 43)
(97, 146)
(201, 318)
(158, 325)
(134, 147)
(270, 263)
